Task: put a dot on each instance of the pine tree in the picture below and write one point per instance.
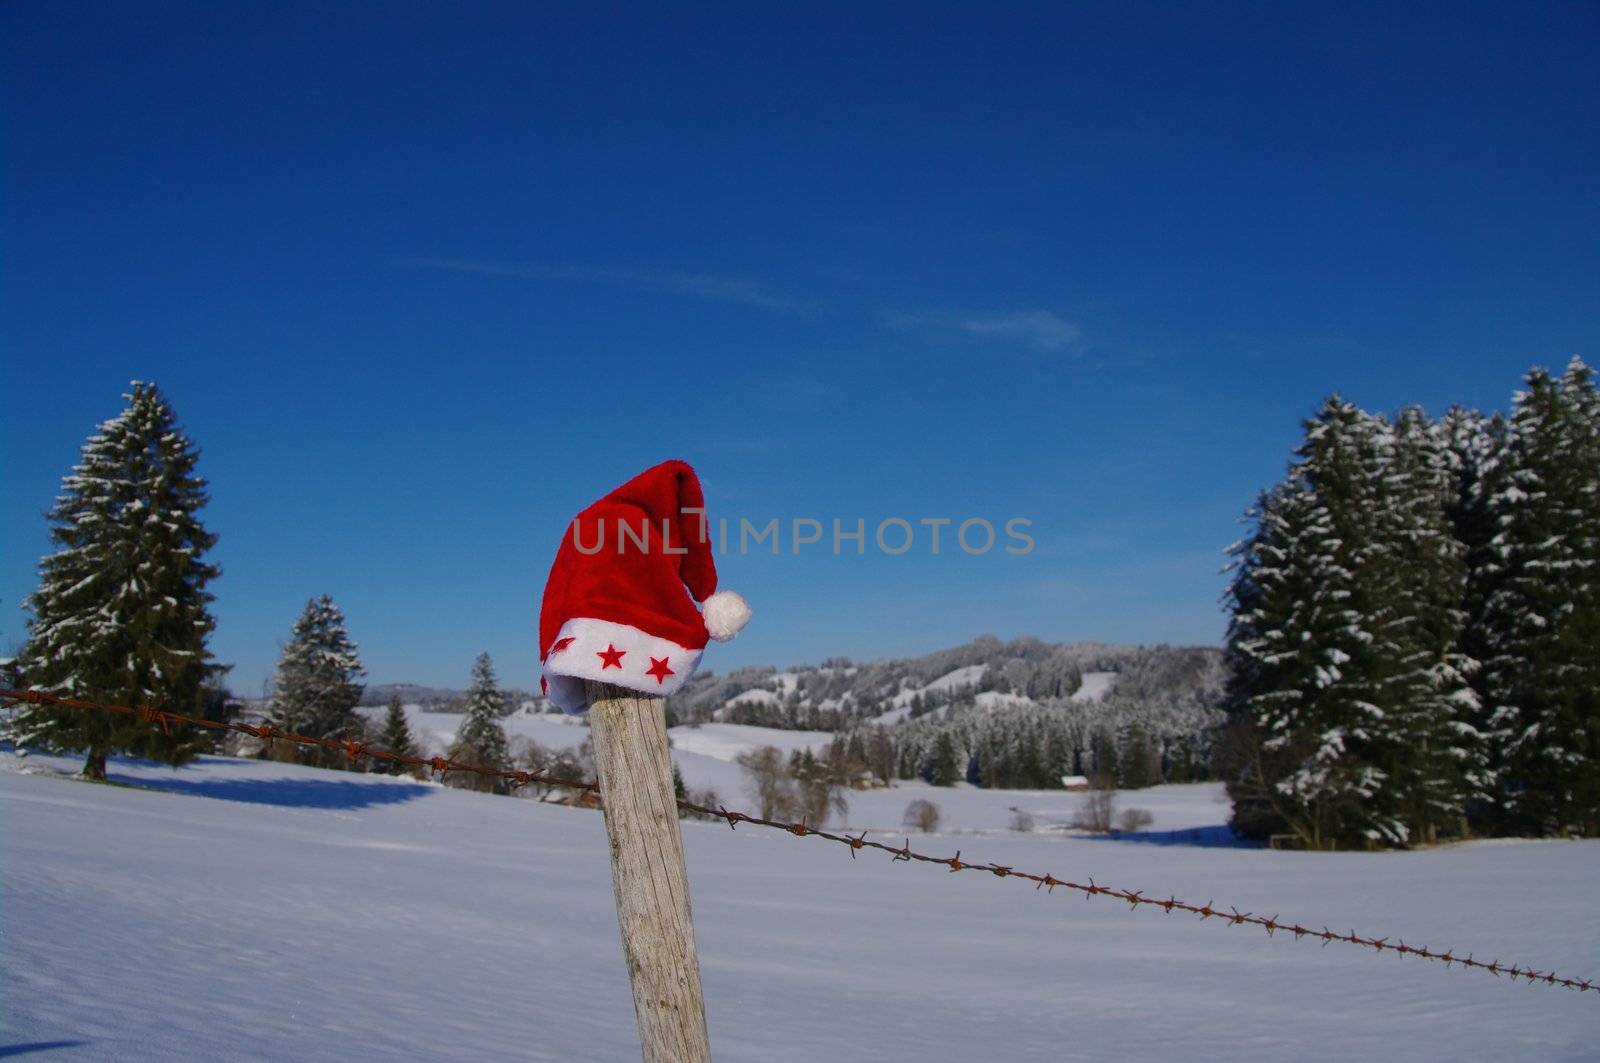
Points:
(1180, 762)
(481, 741)
(1475, 456)
(122, 611)
(397, 735)
(1425, 742)
(1541, 622)
(1415, 617)
(1103, 746)
(1300, 693)
(881, 755)
(318, 686)
(945, 766)
(1347, 644)
(1140, 768)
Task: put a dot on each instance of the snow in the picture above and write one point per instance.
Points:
(725, 741)
(956, 680)
(1096, 685)
(984, 699)
(269, 912)
(434, 731)
(705, 753)
(892, 716)
(960, 679)
(994, 699)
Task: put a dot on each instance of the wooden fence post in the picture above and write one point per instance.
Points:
(647, 872)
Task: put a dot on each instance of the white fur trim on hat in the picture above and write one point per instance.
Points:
(613, 653)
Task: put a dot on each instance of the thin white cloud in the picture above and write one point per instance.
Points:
(1037, 328)
(691, 285)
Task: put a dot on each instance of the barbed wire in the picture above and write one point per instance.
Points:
(441, 767)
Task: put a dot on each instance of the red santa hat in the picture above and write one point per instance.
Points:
(619, 605)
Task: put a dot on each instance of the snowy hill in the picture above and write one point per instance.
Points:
(1095, 686)
(725, 741)
(437, 699)
(984, 673)
(1083, 705)
(262, 911)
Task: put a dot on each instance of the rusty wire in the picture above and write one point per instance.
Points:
(514, 779)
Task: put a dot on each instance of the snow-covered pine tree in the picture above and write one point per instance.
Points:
(1141, 766)
(481, 740)
(1278, 597)
(397, 735)
(122, 611)
(1103, 757)
(1413, 587)
(1351, 706)
(1476, 452)
(1541, 622)
(994, 770)
(1473, 448)
(1303, 719)
(318, 684)
(945, 764)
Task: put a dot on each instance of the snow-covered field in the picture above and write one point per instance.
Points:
(433, 731)
(704, 753)
(251, 910)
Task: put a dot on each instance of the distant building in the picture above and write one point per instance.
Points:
(1074, 782)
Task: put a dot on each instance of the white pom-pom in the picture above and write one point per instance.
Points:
(725, 612)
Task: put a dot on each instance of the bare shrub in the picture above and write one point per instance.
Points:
(922, 815)
(1134, 820)
(1021, 821)
(478, 759)
(770, 785)
(802, 787)
(820, 785)
(1098, 810)
(571, 765)
(528, 755)
(707, 798)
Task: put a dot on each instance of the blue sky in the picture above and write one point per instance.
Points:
(423, 280)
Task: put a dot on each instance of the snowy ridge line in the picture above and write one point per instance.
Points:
(441, 766)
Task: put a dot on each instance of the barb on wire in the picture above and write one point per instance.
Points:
(441, 766)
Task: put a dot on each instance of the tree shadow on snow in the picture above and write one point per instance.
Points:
(36, 1046)
(1215, 837)
(286, 793)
